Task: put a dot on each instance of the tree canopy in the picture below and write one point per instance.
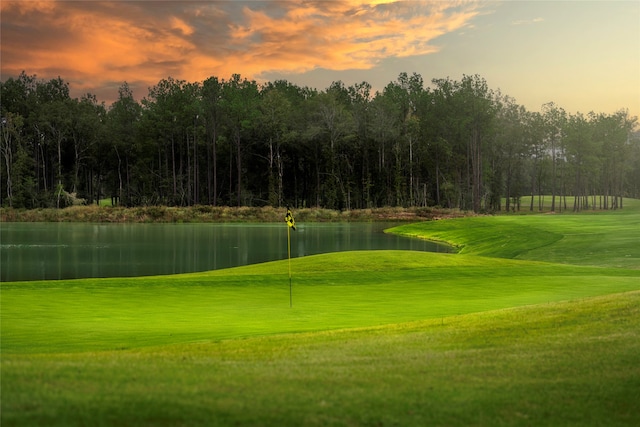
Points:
(454, 143)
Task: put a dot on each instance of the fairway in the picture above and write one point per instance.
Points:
(535, 321)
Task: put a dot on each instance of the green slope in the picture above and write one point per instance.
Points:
(339, 290)
(604, 239)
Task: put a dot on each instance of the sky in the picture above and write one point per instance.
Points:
(582, 55)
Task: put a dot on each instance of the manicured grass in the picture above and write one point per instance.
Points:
(339, 290)
(525, 326)
(605, 239)
(570, 363)
(543, 204)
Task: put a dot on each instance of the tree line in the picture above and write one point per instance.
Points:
(455, 144)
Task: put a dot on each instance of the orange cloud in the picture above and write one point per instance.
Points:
(97, 43)
(344, 35)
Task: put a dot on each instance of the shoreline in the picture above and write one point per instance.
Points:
(222, 214)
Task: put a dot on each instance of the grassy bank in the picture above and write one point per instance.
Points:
(203, 214)
(601, 238)
(526, 326)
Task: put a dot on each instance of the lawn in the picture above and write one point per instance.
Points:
(536, 321)
(601, 238)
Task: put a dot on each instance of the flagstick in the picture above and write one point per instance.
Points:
(289, 252)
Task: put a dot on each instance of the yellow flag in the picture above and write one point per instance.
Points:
(289, 219)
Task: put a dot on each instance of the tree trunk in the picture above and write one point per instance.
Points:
(119, 175)
(215, 170)
(239, 170)
(6, 151)
(173, 167)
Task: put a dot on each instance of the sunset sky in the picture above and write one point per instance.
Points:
(582, 55)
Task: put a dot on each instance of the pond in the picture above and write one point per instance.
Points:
(48, 251)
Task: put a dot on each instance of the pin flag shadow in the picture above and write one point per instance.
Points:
(291, 224)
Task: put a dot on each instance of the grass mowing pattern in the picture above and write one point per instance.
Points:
(605, 239)
(381, 338)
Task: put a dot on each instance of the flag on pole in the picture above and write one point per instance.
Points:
(289, 219)
(291, 224)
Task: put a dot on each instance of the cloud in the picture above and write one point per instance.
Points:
(527, 21)
(94, 43)
(344, 35)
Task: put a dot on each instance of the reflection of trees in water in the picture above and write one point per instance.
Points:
(73, 250)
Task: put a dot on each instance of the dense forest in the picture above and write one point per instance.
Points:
(456, 144)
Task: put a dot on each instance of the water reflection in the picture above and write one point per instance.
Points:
(45, 251)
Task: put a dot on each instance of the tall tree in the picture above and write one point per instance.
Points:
(240, 105)
(470, 111)
(10, 128)
(332, 125)
(170, 117)
(275, 108)
(385, 132)
(580, 156)
(87, 118)
(613, 135)
(412, 89)
(360, 100)
(212, 111)
(479, 111)
(554, 121)
(123, 117)
(535, 164)
(632, 176)
(54, 117)
(510, 150)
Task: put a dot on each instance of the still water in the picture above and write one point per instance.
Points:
(46, 251)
